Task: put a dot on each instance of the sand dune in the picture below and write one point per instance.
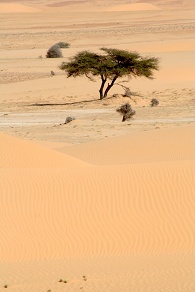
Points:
(135, 209)
(15, 153)
(134, 6)
(17, 8)
(164, 145)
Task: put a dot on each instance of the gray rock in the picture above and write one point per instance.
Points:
(69, 119)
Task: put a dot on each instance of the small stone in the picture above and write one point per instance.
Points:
(69, 119)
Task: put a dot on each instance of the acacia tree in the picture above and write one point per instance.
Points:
(110, 66)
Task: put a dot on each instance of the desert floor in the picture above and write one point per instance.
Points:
(101, 204)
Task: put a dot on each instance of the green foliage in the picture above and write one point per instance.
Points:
(126, 63)
(82, 64)
(63, 45)
(54, 52)
(110, 65)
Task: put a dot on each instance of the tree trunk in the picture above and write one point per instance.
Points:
(102, 87)
(109, 86)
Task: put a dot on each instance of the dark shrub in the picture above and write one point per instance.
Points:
(63, 45)
(54, 52)
(127, 91)
(154, 102)
(126, 111)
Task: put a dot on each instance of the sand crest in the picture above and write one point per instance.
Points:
(133, 7)
(15, 153)
(17, 8)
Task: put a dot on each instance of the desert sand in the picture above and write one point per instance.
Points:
(96, 204)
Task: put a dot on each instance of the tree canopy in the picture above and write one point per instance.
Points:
(110, 65)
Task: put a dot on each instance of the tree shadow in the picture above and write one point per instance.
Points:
(70, 103)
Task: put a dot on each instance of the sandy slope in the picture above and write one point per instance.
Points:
(131, 210)
(130, 7)
(153, 146)
(17, 8)
(140, 209)
(23, 154)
